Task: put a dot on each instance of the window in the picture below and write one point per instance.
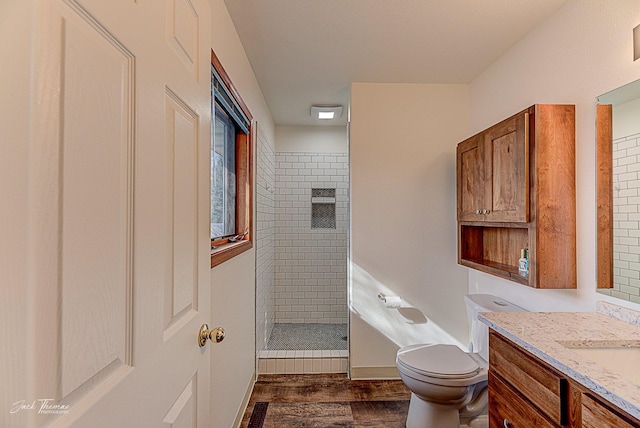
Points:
(231, 181)
(223, 175)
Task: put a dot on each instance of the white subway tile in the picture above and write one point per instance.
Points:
(308, 365)
(626, 144)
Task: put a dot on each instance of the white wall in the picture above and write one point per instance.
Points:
(233, 282)
(403, 220)
(313, 139)
(582, 51)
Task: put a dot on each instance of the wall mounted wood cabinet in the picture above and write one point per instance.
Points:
(515, 190)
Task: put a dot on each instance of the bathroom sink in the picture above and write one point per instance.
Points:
(623, 360)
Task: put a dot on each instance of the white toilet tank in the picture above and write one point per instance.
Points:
(478, 331)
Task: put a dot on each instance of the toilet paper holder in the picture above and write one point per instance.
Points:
(392, 302)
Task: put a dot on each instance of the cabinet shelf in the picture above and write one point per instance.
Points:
(494, 249)
(498, 269)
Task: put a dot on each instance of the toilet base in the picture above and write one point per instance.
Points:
(423, 414)
(481, 421)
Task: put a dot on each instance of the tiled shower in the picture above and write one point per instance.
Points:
(301, 261)
(626, 216)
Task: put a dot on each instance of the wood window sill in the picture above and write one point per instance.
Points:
(227, 251)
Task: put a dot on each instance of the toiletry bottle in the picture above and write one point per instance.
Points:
(523, 263)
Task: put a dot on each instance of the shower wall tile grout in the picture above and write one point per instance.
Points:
(626, 213)
(265, 241)
(269, 364)
(310, 264)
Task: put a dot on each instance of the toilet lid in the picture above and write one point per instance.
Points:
(437, 360)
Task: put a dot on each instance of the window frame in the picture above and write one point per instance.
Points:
(225, 250)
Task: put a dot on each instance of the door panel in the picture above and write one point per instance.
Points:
(470, 179)
(118, 214)
(95, 191)
(505, 197)
(183, 412)
(182, 33)
(181, 140)
(506, 161)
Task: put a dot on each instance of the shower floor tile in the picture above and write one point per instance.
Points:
(286, 336)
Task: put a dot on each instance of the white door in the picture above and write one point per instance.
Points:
(116, 262)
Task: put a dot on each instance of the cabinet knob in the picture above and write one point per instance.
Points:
(486, 211)
(506, 423)
(478, 211)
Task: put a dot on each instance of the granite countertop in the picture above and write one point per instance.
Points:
(546, 334)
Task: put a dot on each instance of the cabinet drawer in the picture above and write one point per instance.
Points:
(597, 415)
(507, 408)
(539, 384)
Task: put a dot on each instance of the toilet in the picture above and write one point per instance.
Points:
(449, 386)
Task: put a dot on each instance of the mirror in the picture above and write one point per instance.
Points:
(618, 186)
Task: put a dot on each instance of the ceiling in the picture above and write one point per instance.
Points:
(306, 52)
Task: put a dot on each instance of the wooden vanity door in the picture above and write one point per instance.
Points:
(506, 157)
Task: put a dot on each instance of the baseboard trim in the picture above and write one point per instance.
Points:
(374, 373)
(245, 402)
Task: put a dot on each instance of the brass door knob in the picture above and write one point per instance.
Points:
(215, 335)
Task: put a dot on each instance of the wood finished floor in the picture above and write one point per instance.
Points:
(326, 400)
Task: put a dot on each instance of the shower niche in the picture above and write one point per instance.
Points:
(323, 208)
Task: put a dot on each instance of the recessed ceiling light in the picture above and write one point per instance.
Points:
(326, 115)
(326, 112)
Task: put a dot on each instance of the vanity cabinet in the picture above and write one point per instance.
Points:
(516, 377)
(509, 408)
(515, 190)
(596, 414)
(526, 392)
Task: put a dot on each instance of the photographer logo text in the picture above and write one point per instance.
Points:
(44, 406)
